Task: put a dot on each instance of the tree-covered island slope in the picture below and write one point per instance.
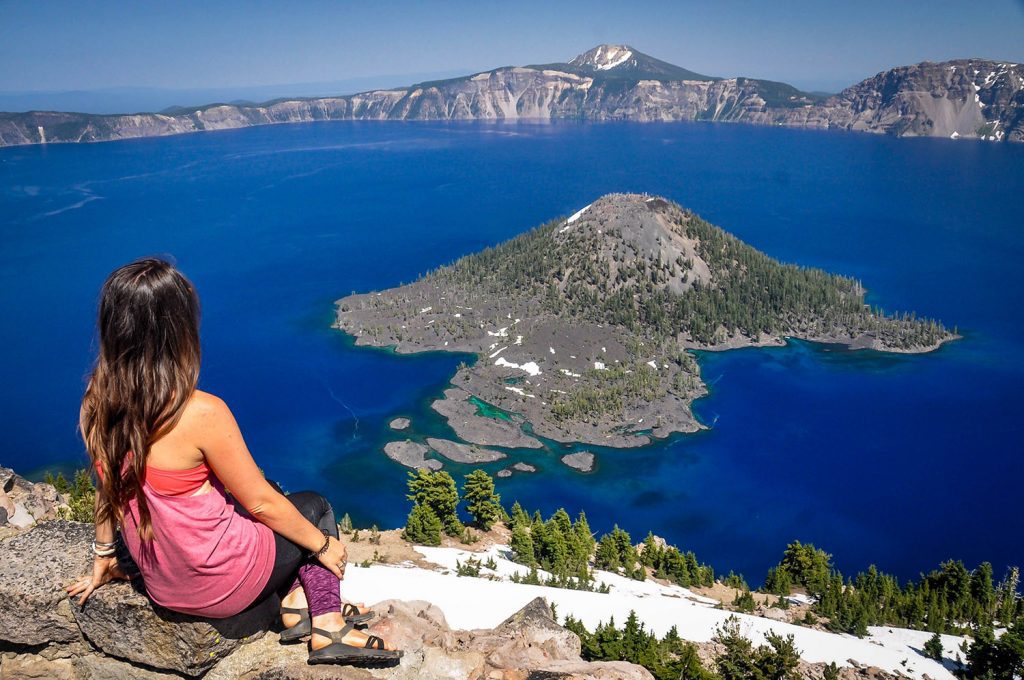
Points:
(583, 325)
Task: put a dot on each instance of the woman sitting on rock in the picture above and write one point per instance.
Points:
(167, 454)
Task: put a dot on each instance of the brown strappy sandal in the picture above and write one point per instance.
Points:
(342, 653)
(304, 626)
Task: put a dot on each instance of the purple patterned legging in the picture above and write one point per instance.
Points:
(293, 567)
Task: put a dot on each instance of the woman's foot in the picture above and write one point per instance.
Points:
(334, 621)
(293, 600)
(297, 600)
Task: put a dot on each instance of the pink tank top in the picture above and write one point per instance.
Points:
(207, 558)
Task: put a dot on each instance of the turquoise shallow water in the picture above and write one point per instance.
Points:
(898, 460)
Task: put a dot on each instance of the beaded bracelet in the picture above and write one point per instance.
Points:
(323, 548)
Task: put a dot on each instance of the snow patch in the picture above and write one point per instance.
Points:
(530, 367)
(500, 333)
(575, 216)
(519, 391)
(599, 366)
(658, 607)
(570, 373)
(653, 364)
(614, 56)
(425, 310)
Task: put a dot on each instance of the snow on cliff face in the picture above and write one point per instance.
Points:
(604, 57)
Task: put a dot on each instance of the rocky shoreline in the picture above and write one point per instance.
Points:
(462, 415)
(412, 455)
(582, 461)
(468, 454)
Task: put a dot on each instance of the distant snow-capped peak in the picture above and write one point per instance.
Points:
(604, 57)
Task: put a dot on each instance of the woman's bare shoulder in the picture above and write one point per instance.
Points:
(203, 405)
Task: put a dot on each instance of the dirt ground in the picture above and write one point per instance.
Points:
(393, 549)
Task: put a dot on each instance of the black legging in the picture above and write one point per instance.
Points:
(287, 560)
(288, 556)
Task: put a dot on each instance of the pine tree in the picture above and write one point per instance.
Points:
(607, 556)
(1008, 598)
(481, 501)
(422, 526)
(933, 648)
(518, 516)
(584, 535)
(522, 546)
(437, 491)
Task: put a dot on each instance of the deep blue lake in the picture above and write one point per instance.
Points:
(901, 461)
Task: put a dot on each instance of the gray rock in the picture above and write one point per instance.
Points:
(21, 518)
(37, 565)
(26, 502)
(464, 453)
(477, 429)
(516, 467)
(86, 666)
(7, 479)
(116, 619)
(583, 670)
(530, 638)
(399, 423)
(582, 461)
(123, 623)
(268, 659)
(411, 454)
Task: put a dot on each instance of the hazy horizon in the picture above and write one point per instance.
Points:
(245, 50)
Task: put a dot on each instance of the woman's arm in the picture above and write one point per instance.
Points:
(104, 567)
(104, 529)
(227, 455)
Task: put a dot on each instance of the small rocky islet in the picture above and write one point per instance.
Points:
(583, 327)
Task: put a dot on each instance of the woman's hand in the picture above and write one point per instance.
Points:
(104, 570)
(334, 557)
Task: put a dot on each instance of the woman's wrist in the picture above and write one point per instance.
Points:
(323, 548)
(104, 548)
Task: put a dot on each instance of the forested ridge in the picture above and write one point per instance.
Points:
(586, 272)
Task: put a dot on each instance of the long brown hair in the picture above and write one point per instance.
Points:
(146, 371)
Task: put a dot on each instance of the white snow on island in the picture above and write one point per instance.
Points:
(530, 367)
(572, 218)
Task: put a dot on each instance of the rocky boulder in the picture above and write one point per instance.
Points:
(120, 634)
(23, 503)
(117, 620)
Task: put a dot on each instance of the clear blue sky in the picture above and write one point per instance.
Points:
(814, 44)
